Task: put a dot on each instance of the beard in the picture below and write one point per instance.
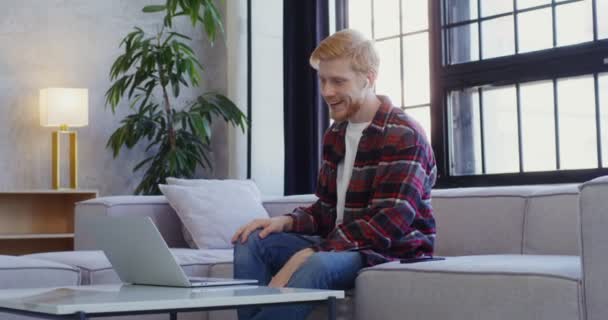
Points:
(347, 109)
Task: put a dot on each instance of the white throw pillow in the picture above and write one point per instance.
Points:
(211, 182)
(212, 213)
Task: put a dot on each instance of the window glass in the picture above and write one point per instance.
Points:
(577, 125)
(535, 30)
(461, 10)
(602, 19)
(538, 126)
(464, 132)
(423, 116)
(359, 16)
(574, 23)
(500, 134)
(416, 69)
(493, 7)
(603, 90)
(386, 18)
(389, 75)
(523, 4)
(463, 43)
(415, 15)
(497, 37)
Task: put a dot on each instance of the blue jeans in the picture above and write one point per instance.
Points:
(261, 259)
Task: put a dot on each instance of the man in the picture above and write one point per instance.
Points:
(374, 189)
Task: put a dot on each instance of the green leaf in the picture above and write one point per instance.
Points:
(132, 105)
(172, 5)
(154, 8)
(184, 5)
(172, 161)
(142, 163)
(180, 35)
(194, 7)
(215, 14)
(199, 126)
(209, 24)
(154, 142)
(167, 21)
(182, 47)
(175, 86)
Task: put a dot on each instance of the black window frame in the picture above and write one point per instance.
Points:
(550, 64)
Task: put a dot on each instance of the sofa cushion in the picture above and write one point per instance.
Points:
(473, 221)
(552, 220)
(93, 265)
(472, 287)
(96, 269)
(25, 272)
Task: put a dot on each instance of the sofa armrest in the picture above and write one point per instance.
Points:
(155, 207)
(594, 223)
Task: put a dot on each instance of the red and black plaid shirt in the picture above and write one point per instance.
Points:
(388, 213)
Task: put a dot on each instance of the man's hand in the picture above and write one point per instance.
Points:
(282, 277)
(268, 226)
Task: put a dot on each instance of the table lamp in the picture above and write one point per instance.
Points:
(64, 108)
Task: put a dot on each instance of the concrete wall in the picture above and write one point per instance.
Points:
(72, 43)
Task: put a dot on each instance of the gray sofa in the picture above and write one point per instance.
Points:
(512, 253)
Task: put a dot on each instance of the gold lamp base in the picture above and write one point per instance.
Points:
(55, 167)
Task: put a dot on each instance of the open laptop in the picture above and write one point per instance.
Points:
(140, 255)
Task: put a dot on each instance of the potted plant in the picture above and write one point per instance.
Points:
(161, 64)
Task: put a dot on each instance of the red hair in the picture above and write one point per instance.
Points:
(351, 44)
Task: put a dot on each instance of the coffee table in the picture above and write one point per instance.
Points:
(84, 302)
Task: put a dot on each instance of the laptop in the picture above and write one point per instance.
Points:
(140, 255)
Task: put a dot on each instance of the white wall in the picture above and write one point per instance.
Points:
(268, 151)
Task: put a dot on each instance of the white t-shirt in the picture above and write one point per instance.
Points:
(354, 131)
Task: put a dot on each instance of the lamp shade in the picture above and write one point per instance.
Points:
(64, 106)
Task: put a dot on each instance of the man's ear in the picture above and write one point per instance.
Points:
(370, 79)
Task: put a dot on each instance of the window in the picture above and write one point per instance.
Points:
(526, 127)
(503, 30)
(523, 87)
(518, 89)
(400, 30)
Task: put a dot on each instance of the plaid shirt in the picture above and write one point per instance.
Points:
(388, 213)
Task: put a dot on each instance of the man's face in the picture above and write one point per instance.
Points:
(342, 88)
